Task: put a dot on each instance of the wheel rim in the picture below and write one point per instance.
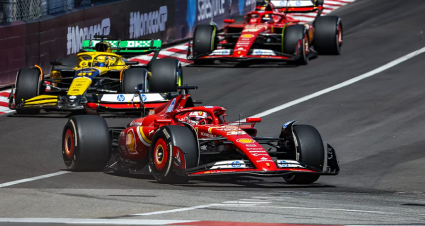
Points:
(306, 47)
(160, 154)
(69, 145)
(339, 35)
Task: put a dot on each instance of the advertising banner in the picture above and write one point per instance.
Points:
(190, 13)
(26, 43)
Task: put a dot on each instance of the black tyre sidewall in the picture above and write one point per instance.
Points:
(203, 40)
(92, 150)
(325, 35)
(132, 78)
(292, 35)
(311, 152)
(27, 86)
(165, 74)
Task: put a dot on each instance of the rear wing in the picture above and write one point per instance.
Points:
(298, 6)
(125, 46)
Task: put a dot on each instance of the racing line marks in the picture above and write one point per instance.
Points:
(32, 179)
(340, 85)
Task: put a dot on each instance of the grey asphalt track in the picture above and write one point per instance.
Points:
(375, 125)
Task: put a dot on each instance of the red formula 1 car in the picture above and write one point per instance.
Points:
(268, 34)
(180, 141)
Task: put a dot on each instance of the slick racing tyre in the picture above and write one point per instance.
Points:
(292, 34)
(239, 19)
(167, 75)
(328, 35)
(27, 86)
(173, 150)
(67, 63)
(203, 42)
(135, 78)
(311, 152)
(85, 143)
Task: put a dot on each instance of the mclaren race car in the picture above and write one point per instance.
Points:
(98, 79)
(269, 34)
(179, 141)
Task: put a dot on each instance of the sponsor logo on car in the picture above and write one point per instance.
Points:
(121, 98)
(248, 35)
(236, 164)
(245, 140)
(171, 107)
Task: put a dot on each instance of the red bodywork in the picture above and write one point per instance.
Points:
(135, 141)
(254, 28)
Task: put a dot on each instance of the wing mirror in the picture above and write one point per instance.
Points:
(253, 119)
(163, 121)
(229, 21)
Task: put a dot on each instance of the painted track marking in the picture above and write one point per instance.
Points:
(341, 85)
(94, 221)
(7, 184)
(198, 207)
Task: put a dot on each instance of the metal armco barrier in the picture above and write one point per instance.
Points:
(25, 43)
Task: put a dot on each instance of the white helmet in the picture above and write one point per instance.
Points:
(195, 117)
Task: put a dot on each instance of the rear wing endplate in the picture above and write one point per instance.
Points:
(125, 46)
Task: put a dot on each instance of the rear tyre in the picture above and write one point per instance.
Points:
(27, 86)
(203, 42)
(328, 35)
(164, 152)
(85, 143)
(167, 75)
(311, 152)
(292, 35)
(133, 78)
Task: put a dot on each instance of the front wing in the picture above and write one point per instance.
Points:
(93, 103)
(284, 168)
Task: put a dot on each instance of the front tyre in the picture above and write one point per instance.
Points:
(311, 152)
(173, 150)
(292, 36)
(328, 35)
(203, 42)
(27, 86)
(85, 143)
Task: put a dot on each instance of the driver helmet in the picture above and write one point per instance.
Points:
(100, 61)
(195, 117)
(266, 18)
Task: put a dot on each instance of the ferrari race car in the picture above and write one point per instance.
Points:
(179, 141)
(269, 34)
(98, 79)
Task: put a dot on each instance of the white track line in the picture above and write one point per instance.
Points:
(174, 210)
(94, 221)
(225, 204)
(32, 179)
(341, 85)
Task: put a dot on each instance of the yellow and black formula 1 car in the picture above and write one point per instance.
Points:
(99, 79)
